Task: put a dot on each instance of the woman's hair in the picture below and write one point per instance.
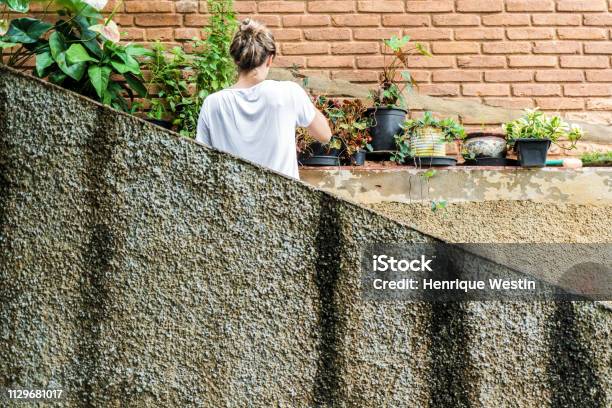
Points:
(252, 45)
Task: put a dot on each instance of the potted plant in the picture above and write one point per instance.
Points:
(531, 136)
(314, 153)
(80, 51)
(390, 109)
(597, 159)
(354, 131)
(485, 149)
(424, 140)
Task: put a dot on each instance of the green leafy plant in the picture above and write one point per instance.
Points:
(395, 76)
(184, 80)
(535, 125)
(448, 129)
(333, 112)
(603, 159)
(79, 52)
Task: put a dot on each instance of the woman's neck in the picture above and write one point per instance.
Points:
(250, 79)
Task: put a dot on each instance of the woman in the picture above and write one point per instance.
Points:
(256, 119)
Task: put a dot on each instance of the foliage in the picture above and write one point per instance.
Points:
(78, 52)
(448, 128)
(353, 126)
(183, 80)
(332, 111)
(597, 159)
(535, 125)
(390, 92)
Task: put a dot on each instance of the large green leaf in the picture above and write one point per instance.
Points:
(136, 84)
(99, 77)
(77, 53)
(58, 52)
(20, 6)
(80, 7)
(123, 68)
(6, 44)
(43, 61)
(26, 30)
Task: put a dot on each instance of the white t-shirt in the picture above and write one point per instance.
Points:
(258, 123)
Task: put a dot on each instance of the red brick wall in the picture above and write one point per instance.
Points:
(512, 53)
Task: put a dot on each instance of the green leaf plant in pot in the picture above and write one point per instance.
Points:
(314, 153)
(390, 107)
(353, 129)
(424, 141)
(532, 135)
(80, 51)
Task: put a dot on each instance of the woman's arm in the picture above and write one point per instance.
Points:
(319, 128)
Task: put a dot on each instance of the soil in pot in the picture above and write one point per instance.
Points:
(387, 124)
(532, 152)
(320, 155)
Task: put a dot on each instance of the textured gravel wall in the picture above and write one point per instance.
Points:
(139, 269)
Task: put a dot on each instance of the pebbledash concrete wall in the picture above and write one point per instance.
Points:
(140, 269)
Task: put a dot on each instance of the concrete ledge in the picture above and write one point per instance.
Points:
(379, 183)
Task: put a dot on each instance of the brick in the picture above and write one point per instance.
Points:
(455, 47)
(456, 76)
(456, 20)
(530, 5)
(530, 33)
(331, 62)
(481, 62)
(486, 89)
(506, 20)
(536, 90)
(430, 62)
(556, 19)
(599, 104)
(558, 104)
(582, 33)
(480, 6)
(306, 21)
(556, 47)
(162, 34)
(372, 33)
(331, 6)
(435, 6)
(514, 47)
(246, 7)
(377, 6)
(186, 33)
(510, 103)
(356, 76)
(598, 20)
(196, 20)
(588, 89)
(559, 76)
(148, 6)
(288, 62)
(584, 62)
(187, 6)
(531, 61)
(598, 48)
(439, 89)
(429, 33)
(581, 5)
(287, 35)
(306, 48)
(599, 76)
(281, 6)
(479, 33)
(355, 20)
(509, 76)
(328, 34)
(355, 48)
(132, 34)
(371, 62)
(405, 20)
(158, 20)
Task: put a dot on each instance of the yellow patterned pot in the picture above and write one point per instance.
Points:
(428, 142)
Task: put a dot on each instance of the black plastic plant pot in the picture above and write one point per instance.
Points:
(532, 152)
(491, 161)
(358, 158)
(166, 124)
(320, 155)
(434, 161)
(387, 124)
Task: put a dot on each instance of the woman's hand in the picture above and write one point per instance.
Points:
(319, 128)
